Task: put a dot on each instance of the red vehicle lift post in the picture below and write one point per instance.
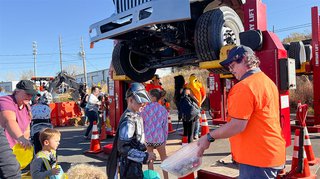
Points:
(254, 15)
(313, 122)
(270, 55)
(116, 89)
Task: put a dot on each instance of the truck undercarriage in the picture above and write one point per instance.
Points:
(163, 33)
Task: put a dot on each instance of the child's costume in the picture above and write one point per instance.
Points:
(42, 165)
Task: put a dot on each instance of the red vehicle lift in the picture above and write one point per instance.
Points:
(270, 55)
(313, 68)
(313, 122)
(117, 87)
(219, 88)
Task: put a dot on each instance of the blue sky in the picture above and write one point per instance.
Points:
(25, 21)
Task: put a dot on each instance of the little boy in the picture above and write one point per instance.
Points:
(44, 165)
(129, 150)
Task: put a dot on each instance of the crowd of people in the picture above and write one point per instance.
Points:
(253, 117)
(25, 121)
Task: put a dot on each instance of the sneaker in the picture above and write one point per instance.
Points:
(196, 137)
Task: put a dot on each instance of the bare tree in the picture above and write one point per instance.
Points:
(26, 75)
(294, 37)
(10, 76)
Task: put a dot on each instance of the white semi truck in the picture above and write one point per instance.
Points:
(153, 34)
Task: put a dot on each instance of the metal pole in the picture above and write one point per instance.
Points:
(60, 49)
(34, 45)
(83, 55)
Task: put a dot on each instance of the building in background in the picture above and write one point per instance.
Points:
(95, 77)
(9, 86)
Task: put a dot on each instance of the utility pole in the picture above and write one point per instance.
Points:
(83, 56)
(60, 49)
(34, 46)
(273, 28)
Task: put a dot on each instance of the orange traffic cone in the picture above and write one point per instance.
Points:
(190, 176)
(95, 142)
(308, 148)
(108, 148)
(184, 140)
(204, 124)
(297, 172)
(170, 127)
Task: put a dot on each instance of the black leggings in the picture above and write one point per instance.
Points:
(188, 129)
(92, 116)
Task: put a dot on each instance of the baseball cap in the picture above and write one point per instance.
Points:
(27, 86)
(138, 91)
(235, 54)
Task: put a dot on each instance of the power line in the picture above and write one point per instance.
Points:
(45, 54)
(293, 27)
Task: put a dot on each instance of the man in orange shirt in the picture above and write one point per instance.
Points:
(155, 84)
(253, 124)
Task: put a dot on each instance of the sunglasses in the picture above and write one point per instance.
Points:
(235, 60)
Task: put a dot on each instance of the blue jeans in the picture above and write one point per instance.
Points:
(252, 172)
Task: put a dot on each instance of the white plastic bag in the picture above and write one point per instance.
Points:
(184, 161)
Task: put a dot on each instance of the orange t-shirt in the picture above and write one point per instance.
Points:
(261, 144)
(151, 86)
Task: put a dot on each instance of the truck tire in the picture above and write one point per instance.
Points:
(115, 60)
(131, 64)
(297, 52)
(308, 49)
(215, 29)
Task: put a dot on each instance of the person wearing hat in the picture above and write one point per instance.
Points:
(253, 126)
(15, 113)
(129, 150)
(155, 84)
(15, 120)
